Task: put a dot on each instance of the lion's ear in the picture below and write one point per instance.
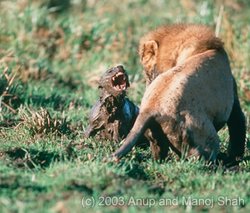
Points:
(148, 52)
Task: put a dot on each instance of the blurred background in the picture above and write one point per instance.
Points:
(53, 43)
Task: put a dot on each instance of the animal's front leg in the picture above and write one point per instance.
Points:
(88, 132)
(96, 120)
(115, 127)
(159, 143)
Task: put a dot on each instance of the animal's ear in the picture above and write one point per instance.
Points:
(100, 83)
(148, 52)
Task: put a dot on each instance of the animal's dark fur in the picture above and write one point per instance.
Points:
(113, 115)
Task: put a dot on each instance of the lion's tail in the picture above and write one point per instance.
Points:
(141, 125)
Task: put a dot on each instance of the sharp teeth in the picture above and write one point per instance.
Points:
(118, 74)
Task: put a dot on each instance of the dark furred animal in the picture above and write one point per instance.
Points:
(191, 94)
(113, 115)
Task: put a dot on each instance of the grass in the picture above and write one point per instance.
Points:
(51, 56)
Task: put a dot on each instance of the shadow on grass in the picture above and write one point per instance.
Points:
(76, 185)
(136, 171)
(16, 182)
(32, 158)
(55, 101)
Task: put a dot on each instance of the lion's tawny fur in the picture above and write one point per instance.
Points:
(172, 45)
(191, 94)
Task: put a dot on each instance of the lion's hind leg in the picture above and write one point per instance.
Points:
(159, 142)
(203, 141)
(237, 131)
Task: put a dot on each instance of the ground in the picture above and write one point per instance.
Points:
(51, 56)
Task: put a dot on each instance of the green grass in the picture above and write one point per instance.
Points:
(55, 59)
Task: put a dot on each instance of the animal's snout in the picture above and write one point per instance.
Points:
(120, 68)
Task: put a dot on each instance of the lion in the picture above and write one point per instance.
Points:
(190, 95)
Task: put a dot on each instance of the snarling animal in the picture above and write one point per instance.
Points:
(113, 115)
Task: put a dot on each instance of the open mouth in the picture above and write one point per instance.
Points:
(119, 81)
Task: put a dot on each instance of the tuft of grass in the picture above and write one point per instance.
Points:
(41, 122)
